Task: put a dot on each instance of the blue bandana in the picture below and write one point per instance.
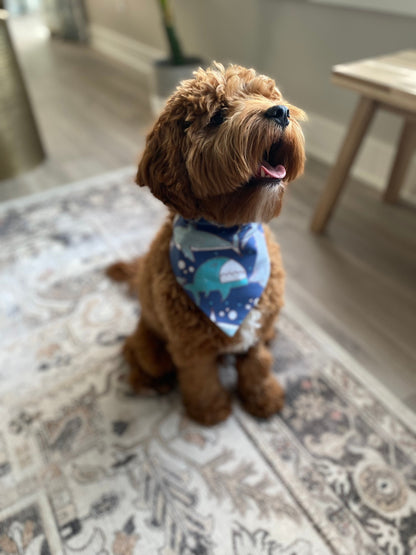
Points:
(223, 269)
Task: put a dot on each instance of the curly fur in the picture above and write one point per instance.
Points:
(202, 169)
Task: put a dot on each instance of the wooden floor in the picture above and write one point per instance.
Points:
(358, 282)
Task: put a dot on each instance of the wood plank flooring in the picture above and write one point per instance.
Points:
(358, 282)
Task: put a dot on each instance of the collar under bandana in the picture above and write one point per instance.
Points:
(223, 269)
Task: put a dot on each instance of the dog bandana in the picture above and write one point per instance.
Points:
(222, 269)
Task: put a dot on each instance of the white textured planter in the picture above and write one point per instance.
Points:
(167, 77)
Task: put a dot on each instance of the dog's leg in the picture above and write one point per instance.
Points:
(259, 390)
(204, 398)
(270, 334)
(150, 364)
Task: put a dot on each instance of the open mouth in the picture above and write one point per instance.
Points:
(270, 171)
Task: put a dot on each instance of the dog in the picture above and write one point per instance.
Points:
(219, 157)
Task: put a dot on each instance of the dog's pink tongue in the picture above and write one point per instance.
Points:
(277, 172)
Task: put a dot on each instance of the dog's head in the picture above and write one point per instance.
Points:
(224, 147)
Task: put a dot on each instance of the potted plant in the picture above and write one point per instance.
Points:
(169, 72)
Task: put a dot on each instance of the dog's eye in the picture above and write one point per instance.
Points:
(218, 118)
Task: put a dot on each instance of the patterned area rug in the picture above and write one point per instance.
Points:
(86, 467)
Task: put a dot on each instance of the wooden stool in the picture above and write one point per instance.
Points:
(388, 82)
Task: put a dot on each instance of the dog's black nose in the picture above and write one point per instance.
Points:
(279, 113)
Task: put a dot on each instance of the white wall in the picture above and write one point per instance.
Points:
(301, 41)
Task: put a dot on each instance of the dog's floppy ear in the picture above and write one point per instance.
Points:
(162, 167)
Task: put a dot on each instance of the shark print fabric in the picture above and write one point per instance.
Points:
(222, 269)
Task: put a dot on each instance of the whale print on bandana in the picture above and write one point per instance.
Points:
(222, 269)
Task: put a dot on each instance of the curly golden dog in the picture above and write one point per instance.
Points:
(219, 156)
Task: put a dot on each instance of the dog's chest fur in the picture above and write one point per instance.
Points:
(248, 334)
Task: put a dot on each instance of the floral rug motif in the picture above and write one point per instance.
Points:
(88, 468)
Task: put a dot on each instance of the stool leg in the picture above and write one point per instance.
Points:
(360, 121)
(405, 150)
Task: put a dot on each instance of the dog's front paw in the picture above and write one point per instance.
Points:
(140, 381)
(264, 399)
(209, 412)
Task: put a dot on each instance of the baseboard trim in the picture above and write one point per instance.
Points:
(372, 166)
